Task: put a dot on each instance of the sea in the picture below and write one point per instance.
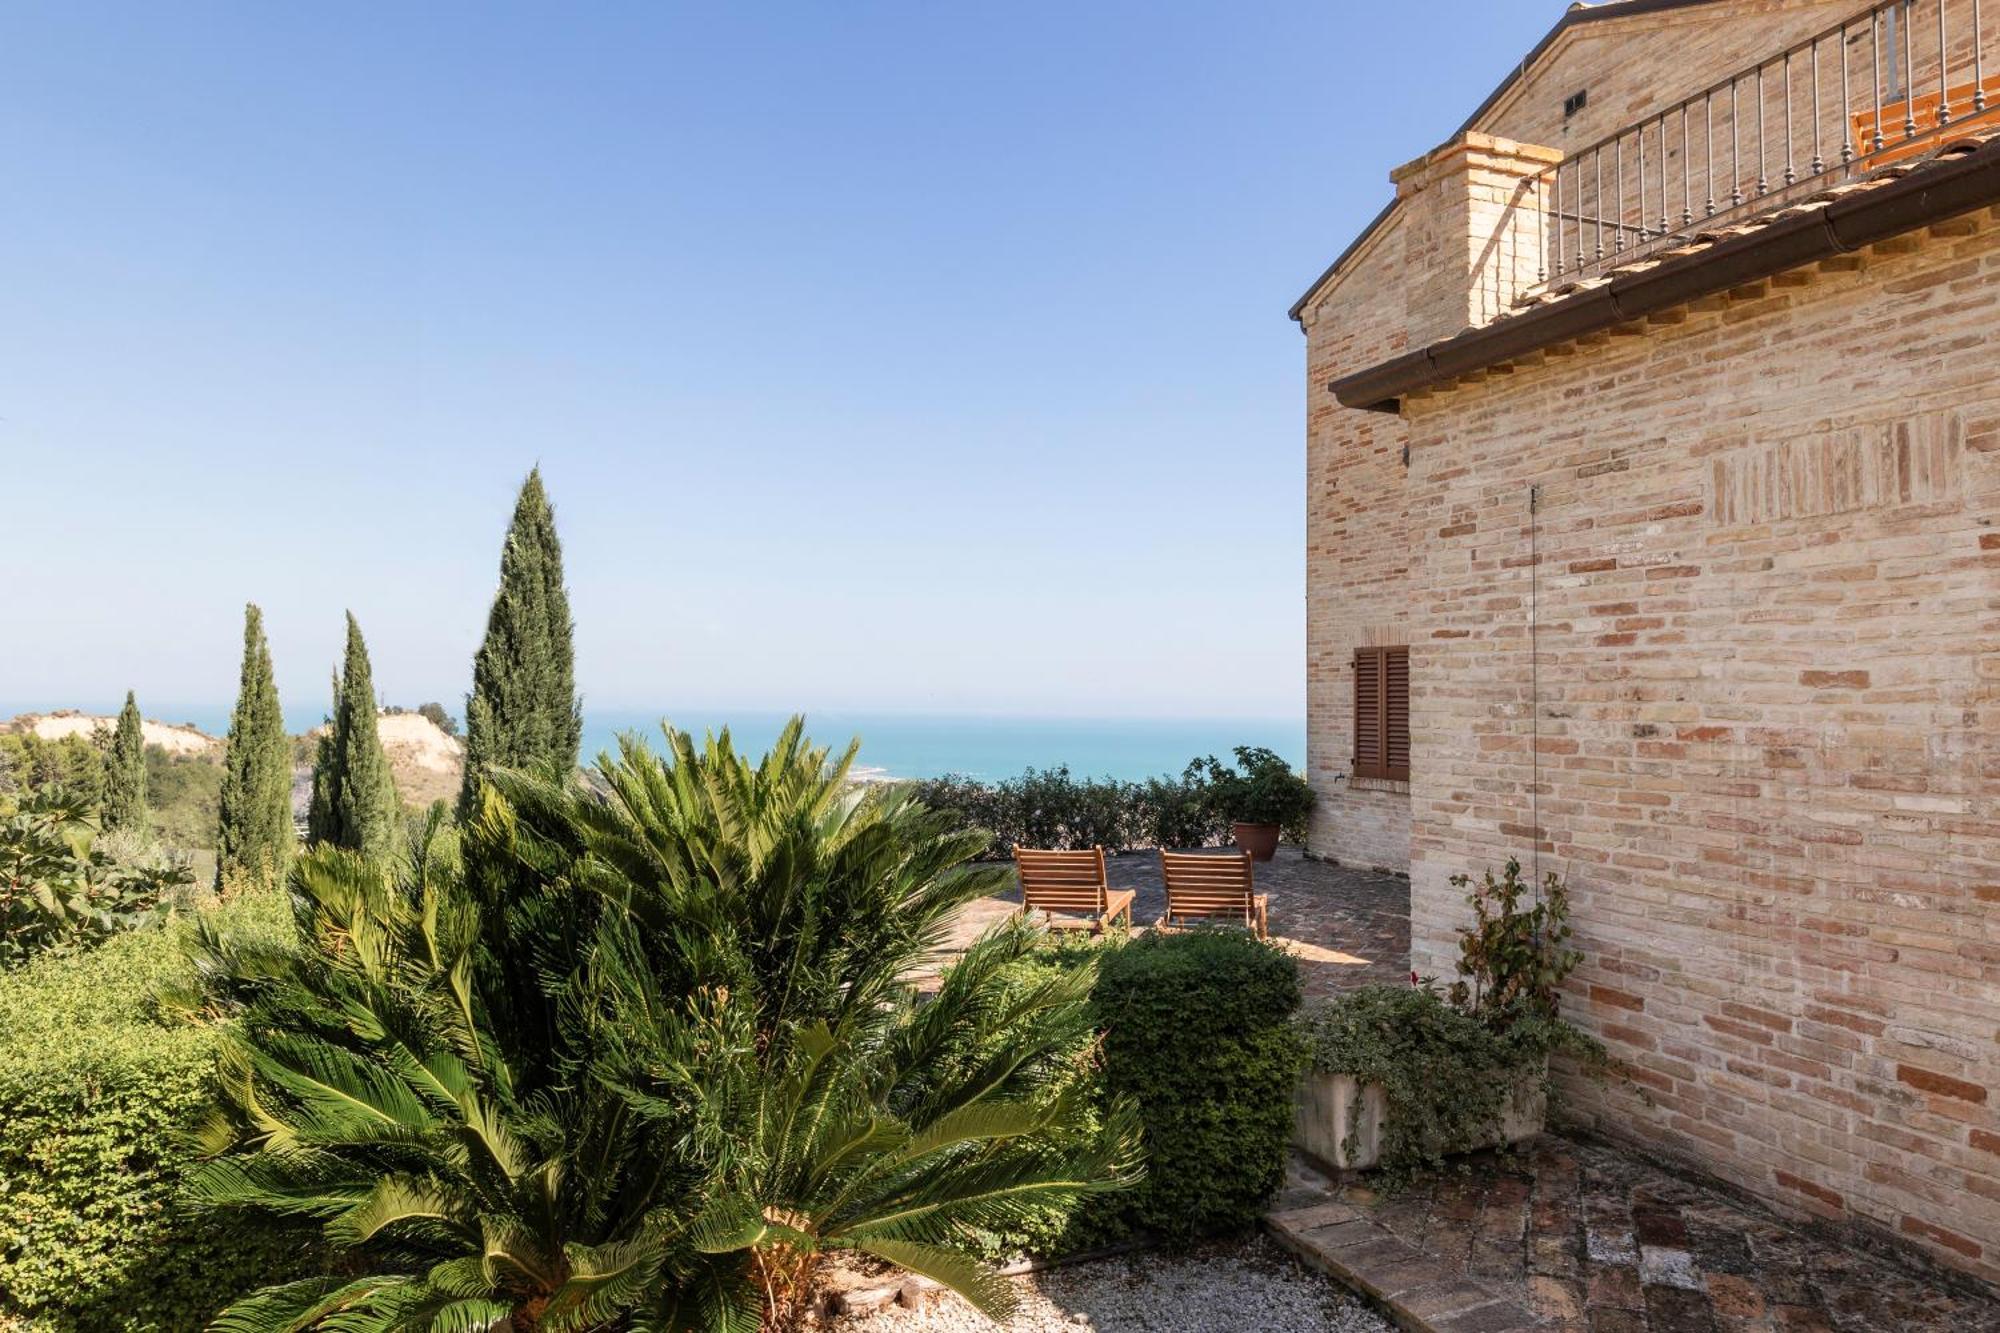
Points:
(896, 744)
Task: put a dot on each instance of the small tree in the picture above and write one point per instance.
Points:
(523, 711)
(444, 721)
(125, 773)
(254, 837)
(354, 802)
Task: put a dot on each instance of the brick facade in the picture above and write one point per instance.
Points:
(1705, 616)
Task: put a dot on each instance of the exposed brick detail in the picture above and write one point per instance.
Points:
(1616, 998)
(1830, 1198)
(1951, 1240)
(1929, 1080)
(1834, 680)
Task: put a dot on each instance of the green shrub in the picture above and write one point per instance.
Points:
(719, 1075)
(59, 891)
(1071, 1226)
(184, 793)
(95, 1091)
(1261, 789)
(1050, 808)
(1447, 1062)
(1198, 1030)
(1445, 1074)
(1512, 960)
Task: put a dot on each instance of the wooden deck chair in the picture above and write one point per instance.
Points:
(1214, 887)
(1071, 887)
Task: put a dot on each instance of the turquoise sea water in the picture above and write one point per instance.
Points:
(909, 745)
(917, 746)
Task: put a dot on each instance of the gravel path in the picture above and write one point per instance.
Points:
(1248, 1286)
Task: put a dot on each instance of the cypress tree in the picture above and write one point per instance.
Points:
(354, 802)
(319, 811)
(523, 711)
(254, 838)
(125, 772)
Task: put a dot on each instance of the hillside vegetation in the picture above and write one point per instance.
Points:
(184, 764)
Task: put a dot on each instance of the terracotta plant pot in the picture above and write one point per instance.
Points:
(1260, 840)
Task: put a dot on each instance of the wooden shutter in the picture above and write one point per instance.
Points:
(1382, 713)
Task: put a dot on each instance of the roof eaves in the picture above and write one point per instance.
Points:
(1961, 177)
(1574, 15)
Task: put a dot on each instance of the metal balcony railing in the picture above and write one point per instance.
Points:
(1885, 84)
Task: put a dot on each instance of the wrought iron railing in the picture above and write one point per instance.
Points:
(1884, 84)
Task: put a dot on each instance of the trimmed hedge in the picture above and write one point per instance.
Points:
(95, 1092)
(1049, 808)
(1198, 1028)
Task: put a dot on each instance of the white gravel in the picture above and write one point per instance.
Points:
(1248, 1286)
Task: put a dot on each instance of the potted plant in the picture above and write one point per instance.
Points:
(1403, 1076)
(1262, 798)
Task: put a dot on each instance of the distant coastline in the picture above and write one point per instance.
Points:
(893, 745)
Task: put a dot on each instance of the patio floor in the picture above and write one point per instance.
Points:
(1576, 1236)
(1346, 927)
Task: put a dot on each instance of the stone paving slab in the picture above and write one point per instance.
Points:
(1346, 927)
(1574, 1236)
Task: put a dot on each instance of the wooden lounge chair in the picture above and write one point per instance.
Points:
(1214, 887)
(1071, 887)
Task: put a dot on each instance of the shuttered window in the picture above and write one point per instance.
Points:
(1382, 713)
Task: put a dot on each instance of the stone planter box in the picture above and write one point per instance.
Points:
(1327, 1106)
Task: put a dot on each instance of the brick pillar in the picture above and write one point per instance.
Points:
(1474, 228)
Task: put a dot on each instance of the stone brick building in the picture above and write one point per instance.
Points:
(1654, 539)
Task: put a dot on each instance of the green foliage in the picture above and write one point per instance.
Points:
(1050, 808)
(1062, 1226)
(254, 833)
(1512, 960)
(183, 794)
(95, 1093)
(444, 721)
(523, 712)
(58, 893)
(124, 805)
(354, 802)
(646, 1052)
(1448, 1062)
(1261, 789)
(1446, 1075)
(1198, 1030)
(29, 763)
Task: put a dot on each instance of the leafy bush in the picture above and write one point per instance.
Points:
(1446, 1075)
(444, 721)
(58, 892)
(184, 794)
(1050, 808)
(646, 1053)
(1512, 960)
(1266, 790)
(95, 1092)
(1448, 1062)
(1198, 1030)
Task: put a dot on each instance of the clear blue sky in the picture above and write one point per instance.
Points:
(924, 356)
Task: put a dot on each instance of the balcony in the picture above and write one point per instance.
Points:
(1892, 82)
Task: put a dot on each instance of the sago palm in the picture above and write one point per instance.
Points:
(643, 1058)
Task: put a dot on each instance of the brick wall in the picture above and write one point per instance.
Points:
(1356, 558)
(1356, 563)
(1763, 577)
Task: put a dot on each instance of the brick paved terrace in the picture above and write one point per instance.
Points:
(1346, 927)
(1572, 1236)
